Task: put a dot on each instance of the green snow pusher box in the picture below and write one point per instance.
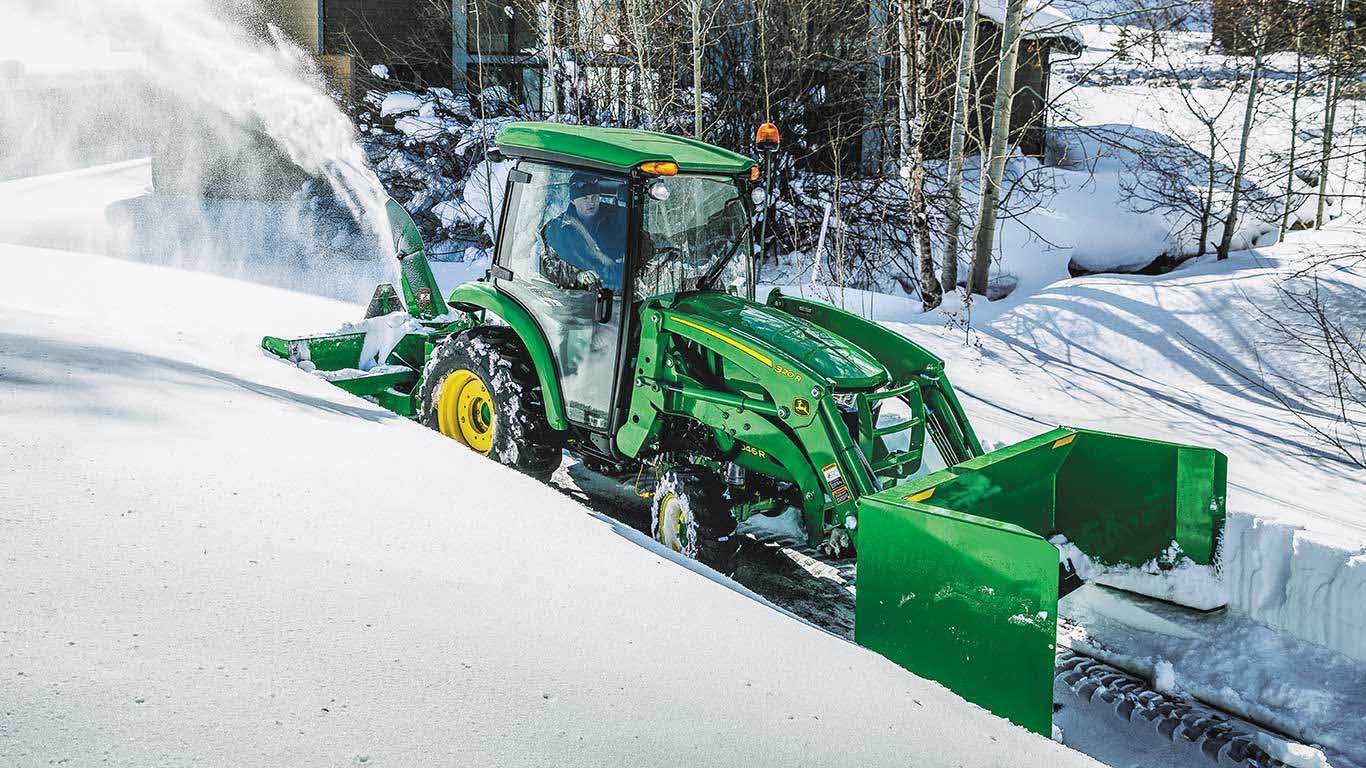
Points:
(958, 582)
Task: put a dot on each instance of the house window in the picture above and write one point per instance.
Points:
(522, 81)
(496, 26)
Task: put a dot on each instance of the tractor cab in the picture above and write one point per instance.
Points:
(591, 230)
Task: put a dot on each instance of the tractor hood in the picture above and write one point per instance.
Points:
(788, 337)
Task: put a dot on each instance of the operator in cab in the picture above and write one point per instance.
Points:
(585, 244)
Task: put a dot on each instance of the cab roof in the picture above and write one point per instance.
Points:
(618, 149)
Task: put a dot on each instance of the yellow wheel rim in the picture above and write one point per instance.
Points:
(464, 410)
(671, 532)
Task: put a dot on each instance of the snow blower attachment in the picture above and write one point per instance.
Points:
(381, 358)
(618, 321)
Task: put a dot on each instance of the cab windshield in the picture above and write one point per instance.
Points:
(695, 236)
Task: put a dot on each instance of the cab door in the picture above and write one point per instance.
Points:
(581, 321)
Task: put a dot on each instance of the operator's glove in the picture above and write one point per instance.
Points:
(588, 279)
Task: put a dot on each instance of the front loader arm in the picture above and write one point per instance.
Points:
(791, 419)
(909, 363)
(776, 406)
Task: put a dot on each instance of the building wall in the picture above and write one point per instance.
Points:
(411, 37)
(1028, 114)
(299, 19)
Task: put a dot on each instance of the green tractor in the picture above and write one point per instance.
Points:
(618, 322)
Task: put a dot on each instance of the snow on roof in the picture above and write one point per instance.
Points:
(1041, 21)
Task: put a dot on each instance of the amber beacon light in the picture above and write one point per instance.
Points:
(767, 138)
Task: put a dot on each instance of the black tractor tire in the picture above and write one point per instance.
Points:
(689, 515)
(504, 414)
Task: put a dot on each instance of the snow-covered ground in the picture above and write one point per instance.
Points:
(159, 365)
(208, 557)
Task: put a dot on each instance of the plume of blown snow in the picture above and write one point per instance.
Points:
(235, 117)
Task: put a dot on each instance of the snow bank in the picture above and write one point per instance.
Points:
(1308, 584)
(1088, 207)
(206, 553)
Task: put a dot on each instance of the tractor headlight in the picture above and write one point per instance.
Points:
(758, 195)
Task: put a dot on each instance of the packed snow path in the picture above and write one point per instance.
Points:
(1298, 690)
(209, 556)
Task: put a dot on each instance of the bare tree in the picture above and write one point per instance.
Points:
(1316, 324)
(912, 43)
(1332, 93)
(957, 134)
(984, 238)
(1287, 208)
(1259, 44)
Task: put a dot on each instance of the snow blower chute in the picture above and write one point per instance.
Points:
(618, 321)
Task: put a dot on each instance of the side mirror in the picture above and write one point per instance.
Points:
(602, 311)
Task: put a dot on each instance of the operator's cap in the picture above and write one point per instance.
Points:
(582, 185)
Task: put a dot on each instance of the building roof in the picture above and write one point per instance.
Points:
(617, 148)
(1041, 21)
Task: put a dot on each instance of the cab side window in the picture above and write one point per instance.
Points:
(569, 228)
(566, 248)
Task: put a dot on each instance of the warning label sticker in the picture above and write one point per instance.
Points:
(838, 489)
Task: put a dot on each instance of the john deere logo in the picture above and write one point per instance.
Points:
(802, 406)
(424, 296)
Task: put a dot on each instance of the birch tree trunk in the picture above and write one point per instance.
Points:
(984, 237)
(762, 10)
(1329, 115)
(967, 60)
(552, 87)
(697, 53)
(903, 110)
(930, 295)
(1231, 219)
(641, 79)
(1330, 111)
(1294, 132)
